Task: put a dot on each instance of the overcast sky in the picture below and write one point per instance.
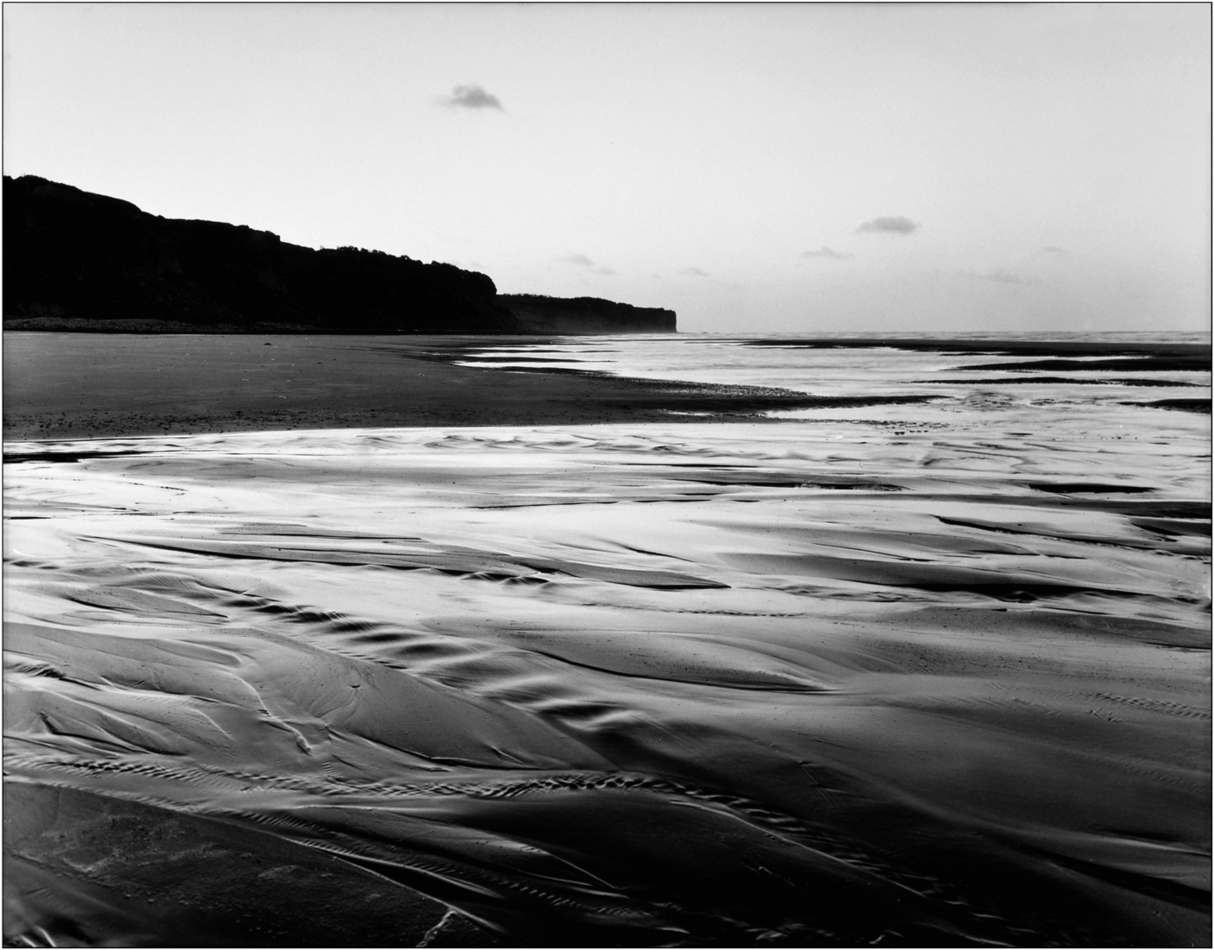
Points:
(754, 167)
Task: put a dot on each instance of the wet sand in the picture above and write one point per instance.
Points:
(924, 676)
(84, 386)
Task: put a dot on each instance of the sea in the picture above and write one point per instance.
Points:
(909, 673)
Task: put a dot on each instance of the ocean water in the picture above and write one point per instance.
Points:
(786, 361)
(931, 673)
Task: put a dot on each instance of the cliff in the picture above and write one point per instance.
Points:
(75, 260)
(80, 261)
(585, 315)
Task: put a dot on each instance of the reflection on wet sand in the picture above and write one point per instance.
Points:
(700, 684)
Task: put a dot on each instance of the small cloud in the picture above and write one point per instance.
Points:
(895, 224)
(581, 260)
(829, 254)
(472, 97)
(1001, 276)
(693, 272)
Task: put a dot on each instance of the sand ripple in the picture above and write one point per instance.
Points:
(836, 683)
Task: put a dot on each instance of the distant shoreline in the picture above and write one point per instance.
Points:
(82, 386)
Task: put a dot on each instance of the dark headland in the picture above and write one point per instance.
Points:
(578, 315)
(77, 261)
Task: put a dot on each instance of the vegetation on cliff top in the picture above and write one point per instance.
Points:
(80, 261)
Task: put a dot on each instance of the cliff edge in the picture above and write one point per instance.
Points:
(74, 260)
(80, 261)
(585, 315)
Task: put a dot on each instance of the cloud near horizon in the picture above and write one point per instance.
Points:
(892, 224)
(472, 97)
(829, 254)
(1001, 276)
(581, 260)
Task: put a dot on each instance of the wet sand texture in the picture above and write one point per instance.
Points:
(599, 685)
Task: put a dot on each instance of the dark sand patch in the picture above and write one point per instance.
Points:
(1061, 381)
(1180, 405)
(202, 880)
(75, 385)
(1153, 363)
(1093, 488)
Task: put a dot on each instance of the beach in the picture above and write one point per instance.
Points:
(83, 385)
(445, 654)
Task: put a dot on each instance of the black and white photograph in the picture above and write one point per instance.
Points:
(606, 474)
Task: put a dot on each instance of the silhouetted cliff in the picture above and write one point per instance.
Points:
(74, 260)
(537, 314)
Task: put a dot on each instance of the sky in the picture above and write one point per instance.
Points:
(754, 167)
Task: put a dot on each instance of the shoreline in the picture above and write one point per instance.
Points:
(63, 386)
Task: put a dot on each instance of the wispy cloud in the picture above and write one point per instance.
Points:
(693, 272)
(1001, 276)
(893, 224)
(581, 260)
(829, 254)
(472, 97)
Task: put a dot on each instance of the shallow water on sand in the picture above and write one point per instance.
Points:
(937, 366)
(912, 674)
